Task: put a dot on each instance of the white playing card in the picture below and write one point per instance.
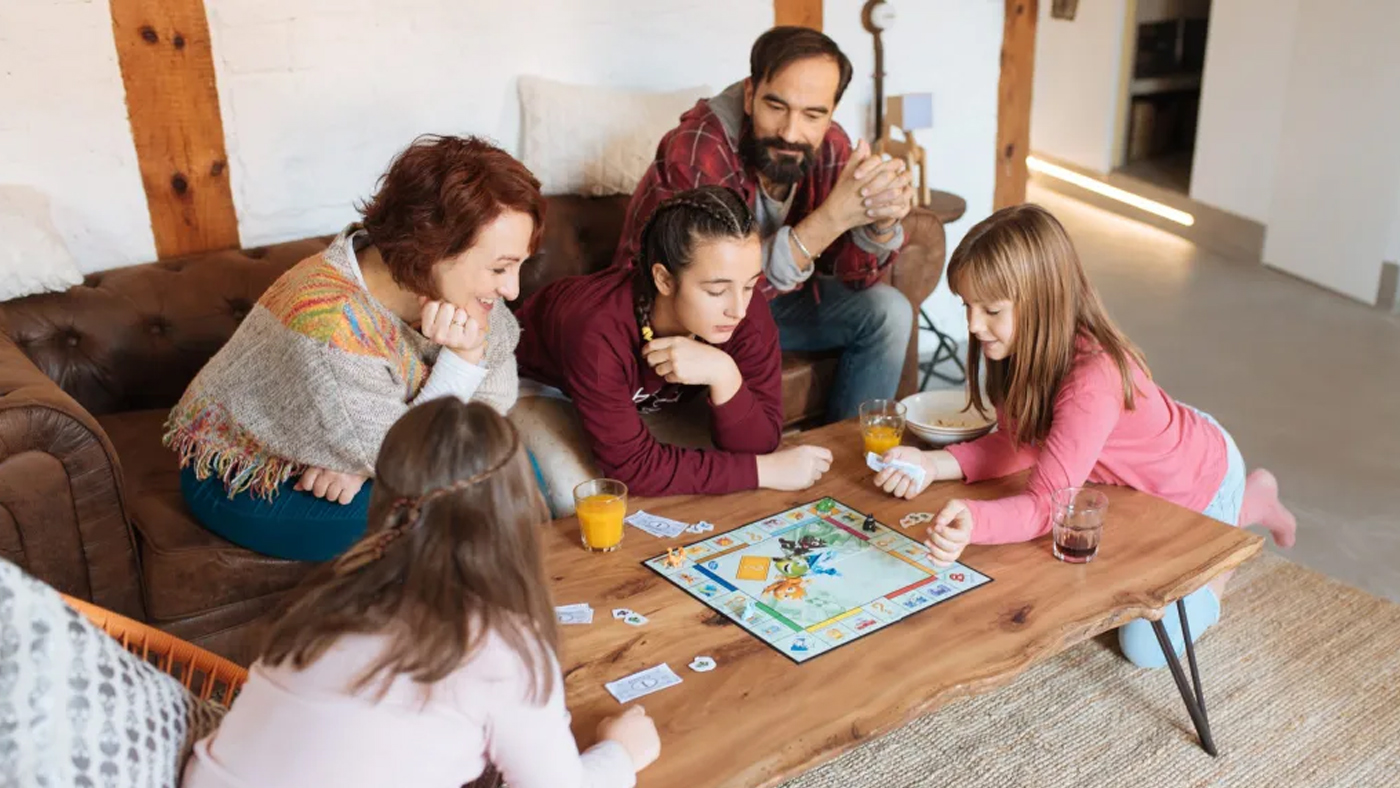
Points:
(915, 472)
(631, 687)
(620, 613)
(656, 526)
(669, 526)
(635, 619)
(574, 614)
(641, 521)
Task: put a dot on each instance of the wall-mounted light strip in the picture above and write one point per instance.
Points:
(1111, 192)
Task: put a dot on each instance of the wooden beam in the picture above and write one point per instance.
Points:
(803, 13)
(167, 65)
(1014, 101)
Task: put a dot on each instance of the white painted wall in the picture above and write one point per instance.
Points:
(1078, 67)
(1249, 52)
(318, 95)
(1335, 197)
(64, 131)
(1392, 251)
(951, 49)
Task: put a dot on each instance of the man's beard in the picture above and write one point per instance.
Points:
(786, 170)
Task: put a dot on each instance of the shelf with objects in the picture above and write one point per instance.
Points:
(1164, 93)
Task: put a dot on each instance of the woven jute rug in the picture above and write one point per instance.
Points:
(1302, 683)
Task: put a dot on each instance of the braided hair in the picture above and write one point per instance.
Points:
(407, 511)
(450, 556)
(702, 213)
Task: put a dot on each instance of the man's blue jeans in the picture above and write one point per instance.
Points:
(871, 327)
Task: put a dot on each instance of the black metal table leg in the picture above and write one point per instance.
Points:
(947, 351)
(1195, 701)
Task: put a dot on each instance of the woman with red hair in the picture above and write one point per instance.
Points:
(278, 434)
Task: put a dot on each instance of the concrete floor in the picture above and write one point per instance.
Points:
(1172, 171)
(1308, 382)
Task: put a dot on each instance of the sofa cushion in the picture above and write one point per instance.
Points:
(187, 570)
(33, 256)
(595, 140)
(580, 236)
(806, 382)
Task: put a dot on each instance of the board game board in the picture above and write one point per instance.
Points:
(808, 580)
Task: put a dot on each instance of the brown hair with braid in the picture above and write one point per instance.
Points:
(705, 213)
(450, 557)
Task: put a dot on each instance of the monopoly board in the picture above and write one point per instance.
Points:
(811, 579)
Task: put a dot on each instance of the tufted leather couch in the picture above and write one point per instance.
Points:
(90, 500)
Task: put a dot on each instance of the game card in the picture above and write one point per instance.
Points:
(661, 527)
(754, 567)
(631, 687)
(914, 472)
(581, 613)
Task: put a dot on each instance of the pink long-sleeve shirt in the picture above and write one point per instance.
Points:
(293, 727)
(1160, 447)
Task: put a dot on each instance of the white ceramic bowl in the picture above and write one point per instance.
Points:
(938, 418)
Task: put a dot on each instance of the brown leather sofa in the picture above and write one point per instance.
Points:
(90, 500)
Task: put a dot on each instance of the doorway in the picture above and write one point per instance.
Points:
(1168, 40)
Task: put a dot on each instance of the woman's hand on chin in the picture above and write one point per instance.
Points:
(460, 330)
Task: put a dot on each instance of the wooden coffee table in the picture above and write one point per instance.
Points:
(758, 719)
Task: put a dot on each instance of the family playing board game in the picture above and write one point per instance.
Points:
(358, 418)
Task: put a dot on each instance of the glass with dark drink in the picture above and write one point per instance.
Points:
(1078, 524)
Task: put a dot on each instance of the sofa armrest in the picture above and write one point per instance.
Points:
(915, 273)
(62, 511)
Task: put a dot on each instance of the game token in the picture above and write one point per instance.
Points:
(869, 523)
(674, 558)
(915, 518)
(825, 505)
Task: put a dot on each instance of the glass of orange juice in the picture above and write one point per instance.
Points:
(601, 505)
(881, 424)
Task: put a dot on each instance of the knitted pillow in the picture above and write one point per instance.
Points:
(580, 139)
(78, 709)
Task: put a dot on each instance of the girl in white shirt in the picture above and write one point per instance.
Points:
(425, 652)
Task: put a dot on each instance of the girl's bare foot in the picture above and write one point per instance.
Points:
(1262, 507)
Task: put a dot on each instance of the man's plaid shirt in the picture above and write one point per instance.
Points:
(700, 152)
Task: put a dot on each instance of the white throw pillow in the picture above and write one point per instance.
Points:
(78, 709)
(595, 141)
(33, 257)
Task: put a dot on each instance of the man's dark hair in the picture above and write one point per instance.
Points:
(783, 46)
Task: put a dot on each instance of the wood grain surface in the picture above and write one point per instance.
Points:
(759, 719)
